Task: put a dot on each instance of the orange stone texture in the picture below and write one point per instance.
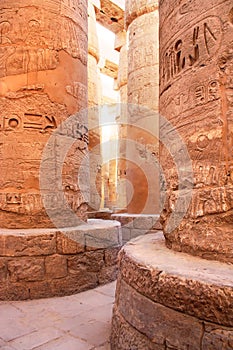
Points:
(142, 22)
(94, 102)
(43, 81)
(122, 80)
(175, 288)
(196, 98)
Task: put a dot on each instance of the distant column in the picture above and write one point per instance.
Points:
(94, 101)
(142, 21)
(122, 79)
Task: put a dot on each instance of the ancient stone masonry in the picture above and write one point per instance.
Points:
(177, 292)
(43, 59)
(45, 263)
(44, 139)
(94, 102)
(143, 90)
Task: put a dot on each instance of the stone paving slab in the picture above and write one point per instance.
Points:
(77, 322)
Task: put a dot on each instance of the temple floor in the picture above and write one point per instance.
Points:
(81, 321)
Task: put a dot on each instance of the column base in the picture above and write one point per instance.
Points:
(170, 300)
(41, 263)
(134, 225)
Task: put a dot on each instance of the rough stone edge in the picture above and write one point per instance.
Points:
(132, 11)
(208, 302)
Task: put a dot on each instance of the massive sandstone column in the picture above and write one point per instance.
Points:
(43, 59)
(143, 90)
(196, 98)
(122, 80)
(94, 102)
(177, 292)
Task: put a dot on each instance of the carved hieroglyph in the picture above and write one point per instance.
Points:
(94, 101)
(43, 80)
(142, 19)
(196, 96)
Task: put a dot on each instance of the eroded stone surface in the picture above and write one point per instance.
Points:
(194, 286)
(142, 132)
(65, 265)
(170, 300)
(195, 96)
(43, 81)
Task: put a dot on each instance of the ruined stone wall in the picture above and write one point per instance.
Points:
(196, 98)
(43, 80)
(142, 21)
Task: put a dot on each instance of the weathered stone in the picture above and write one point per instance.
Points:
(191, 285)
(158, 323)
(126, 234)
(26, 269)
(125, 337)
(56, 266)
(197, 83)
(44, 81)
(102, 234)
(14, 291)
(87, 262)
(74, 283)
(108, 274)
(134, 9)
(111, 256)
(216, 337)
(22, 244)
(68, 243)
(143, 222)
(3, 269)
(143, 128)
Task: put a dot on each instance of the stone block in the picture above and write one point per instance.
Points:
(143, 222)
(40, 289)
(14, 291)
(56, 266)
(217, 337)
(86, 262)
(125, 337)
(107, 274)
(70, 244)
(27, 244)
(188, 284)
(101, 239)
(126, 234)
(3, 269)
(134, 233)
(26, 269)
(74, 283)
(111, 255)
(158, 323)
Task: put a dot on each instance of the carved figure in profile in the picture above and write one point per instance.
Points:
(5, 28)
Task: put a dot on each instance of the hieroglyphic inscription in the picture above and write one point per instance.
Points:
(30, 121)
(194, 45)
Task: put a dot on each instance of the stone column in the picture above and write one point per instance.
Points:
(122, 79)
(143, 90)
(94, 101)
(196, 98)
(43, 50)
(177, 292)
